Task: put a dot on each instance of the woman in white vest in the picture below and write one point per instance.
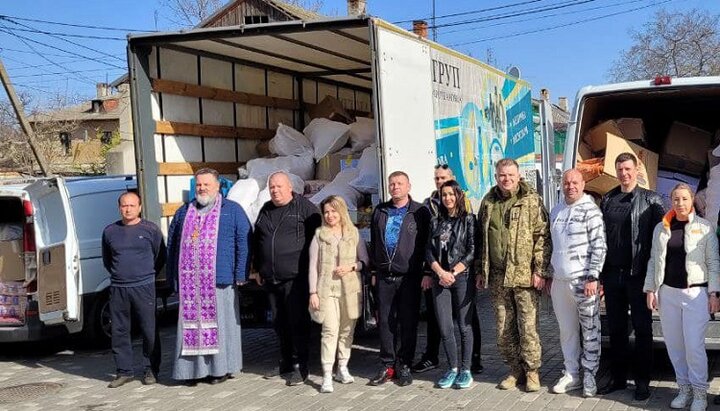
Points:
(683, 281)
(337, 255)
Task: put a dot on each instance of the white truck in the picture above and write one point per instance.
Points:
(52, 279)
(679, 119)
(206, 97)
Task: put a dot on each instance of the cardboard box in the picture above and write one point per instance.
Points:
(330, 108)
(614, 146)
(329, 166)
(631, 129)
(685, 149)
(667, 180)
(584, 152)
(12, 263)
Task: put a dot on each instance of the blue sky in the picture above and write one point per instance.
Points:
(561, 59)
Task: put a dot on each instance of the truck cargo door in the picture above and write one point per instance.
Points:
(58, 259)
(404, 108)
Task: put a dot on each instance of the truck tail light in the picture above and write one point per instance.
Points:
(29, 228)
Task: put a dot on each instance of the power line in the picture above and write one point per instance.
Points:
(80, 36)
(68, 41)
(557, 6)
(84, 26)
(6, 30)
(620, 3)
(30, 52)
(63, 72)
(561, 25)
(465, 13)
(25, 41)
(26, 66)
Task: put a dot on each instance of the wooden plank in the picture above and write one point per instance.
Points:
(205, 130)
(169, 209)
(187, 169)
(355, 113)
(212, 93)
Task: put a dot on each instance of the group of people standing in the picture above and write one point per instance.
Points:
(310, 262)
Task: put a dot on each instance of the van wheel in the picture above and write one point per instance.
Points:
(97, 328)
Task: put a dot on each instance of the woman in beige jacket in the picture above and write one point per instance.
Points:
(337, 255)
(682, 282)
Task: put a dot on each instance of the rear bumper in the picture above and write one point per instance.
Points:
(32, 330)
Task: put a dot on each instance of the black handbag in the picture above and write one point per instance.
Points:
(368, 319)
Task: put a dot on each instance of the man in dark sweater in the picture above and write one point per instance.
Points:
(133, 252)
(283, 231)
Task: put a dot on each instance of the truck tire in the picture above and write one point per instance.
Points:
(96, 328)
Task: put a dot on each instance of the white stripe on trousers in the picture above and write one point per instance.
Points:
(684, 318)
(575, 313)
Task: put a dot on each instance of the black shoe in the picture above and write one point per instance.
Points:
(149, 378)
(612, 386)
(384, 375)
(404, 377)
(278, 372)
(297, 377)
(119, 381)
(716, 400)
(642, 391)
(424, 365)
(477, 368)
(218, 380)
(191, 382)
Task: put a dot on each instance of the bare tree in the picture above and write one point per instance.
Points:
(312, 5)
(678, 44)
(189, 13)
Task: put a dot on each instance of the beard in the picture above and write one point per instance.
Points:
(204, 200)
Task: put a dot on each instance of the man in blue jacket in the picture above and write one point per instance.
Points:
(208, 255)
(398, 233)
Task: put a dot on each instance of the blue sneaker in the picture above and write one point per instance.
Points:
(464, 379)
(448, 379)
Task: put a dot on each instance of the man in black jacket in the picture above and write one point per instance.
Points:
(283, 231)
(398, 235)
(630, 214)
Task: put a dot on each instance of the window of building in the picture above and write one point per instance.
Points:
(65, 141)
(256, 19)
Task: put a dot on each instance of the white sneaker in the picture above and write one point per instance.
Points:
(343, 376)
(327, 385)
(684, 397)
(589, 385)
(566, 383)
(699, 402)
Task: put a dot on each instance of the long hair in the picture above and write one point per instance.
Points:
(459, 199)
(340, 206)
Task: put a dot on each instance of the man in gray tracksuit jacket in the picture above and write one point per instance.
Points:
(578, 236)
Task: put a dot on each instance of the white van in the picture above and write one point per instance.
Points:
(52, 279)
(661, 104)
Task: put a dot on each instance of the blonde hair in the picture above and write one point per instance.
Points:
(682, 186)
(341, 207)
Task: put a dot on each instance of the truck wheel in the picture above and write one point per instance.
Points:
(97, 325)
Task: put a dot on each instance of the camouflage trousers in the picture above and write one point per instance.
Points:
(516, 315)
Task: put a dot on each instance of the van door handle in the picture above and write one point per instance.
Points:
(46, 259)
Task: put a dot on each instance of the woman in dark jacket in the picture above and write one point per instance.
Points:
(450, 253)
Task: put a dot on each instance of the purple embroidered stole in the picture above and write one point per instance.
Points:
(196, 273)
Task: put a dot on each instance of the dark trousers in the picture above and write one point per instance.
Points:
(623, 291)
(126, 303)
(455, 304)
(432, 347)
(398, 312)
(291, 318)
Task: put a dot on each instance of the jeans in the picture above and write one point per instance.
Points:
(623, 291)
(456, 304)
(398, 309)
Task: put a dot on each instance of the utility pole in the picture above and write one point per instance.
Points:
(20, 113)
(433, 22)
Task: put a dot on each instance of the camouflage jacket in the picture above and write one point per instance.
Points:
(529, 246)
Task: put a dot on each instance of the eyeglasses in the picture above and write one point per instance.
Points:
(443, 166)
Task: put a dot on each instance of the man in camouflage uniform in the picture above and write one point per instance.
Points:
(515, 247)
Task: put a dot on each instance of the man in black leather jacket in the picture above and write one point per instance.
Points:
(630, 214)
